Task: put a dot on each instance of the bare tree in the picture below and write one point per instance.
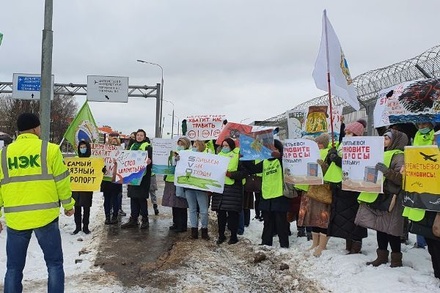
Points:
(63, 110)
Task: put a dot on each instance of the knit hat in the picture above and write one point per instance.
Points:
(389, 133)
(323, 138)
(357, 127)
(27, 121)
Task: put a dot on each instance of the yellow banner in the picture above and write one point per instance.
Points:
(422, 169)
(85, 173)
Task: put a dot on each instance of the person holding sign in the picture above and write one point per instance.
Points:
(198, 198)
(313, 213)
(344, 203)
(179, 205)
(274, 204)
(112, 193)
(139, 194)
(83, 199)
(383, 212)
(229, 204)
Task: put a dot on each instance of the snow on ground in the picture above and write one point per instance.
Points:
(334, 270)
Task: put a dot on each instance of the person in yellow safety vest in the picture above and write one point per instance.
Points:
(139, 194)
(421, 220)
(274, 204)
(378, 212)
(344, 203)
(33, 183)
(423, 136)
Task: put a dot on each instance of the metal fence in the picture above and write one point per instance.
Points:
(370, 83)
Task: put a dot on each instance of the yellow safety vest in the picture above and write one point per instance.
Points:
(334, 173)
(415, 214)
(233, 163)
(34, 181)
(370, 197)
(272, 181)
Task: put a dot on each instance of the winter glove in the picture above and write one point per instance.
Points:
(104, 170)
(276, 154)
(382, 168)
(332, 154)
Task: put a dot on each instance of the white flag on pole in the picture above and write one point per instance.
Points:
(331, 60)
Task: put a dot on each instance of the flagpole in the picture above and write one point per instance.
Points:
(328, 80)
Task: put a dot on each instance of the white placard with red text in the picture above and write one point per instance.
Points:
(107, 152)
(204, 127)
(360, 154)
(300, 162)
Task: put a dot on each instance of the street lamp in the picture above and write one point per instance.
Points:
(172, 119)
(161, 92)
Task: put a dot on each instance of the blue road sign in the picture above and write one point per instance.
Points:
(29, 83)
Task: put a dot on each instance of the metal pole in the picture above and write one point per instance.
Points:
(172, 125)
(158, 105)
(158, 132)
(161, 98)
(46, 71)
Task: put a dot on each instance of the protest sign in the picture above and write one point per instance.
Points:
(107, 152)
(233, 130)
(163, 156)
(131, 166)
(204, 127)
(256, 145)
(300, 162)
(422, 174)
(201, 171)
(295, 121)
(360, 154)
(85, 173)
(318, 121)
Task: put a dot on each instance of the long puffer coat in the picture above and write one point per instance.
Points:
(383, 221)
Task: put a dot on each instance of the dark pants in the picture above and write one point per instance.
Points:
(257, 204)
(275, 222)
(247, 217)
(138, 207)
(231, 218)
(111, 203)
(434, 251)
(85, 216)
(180, 218)
(383, 239)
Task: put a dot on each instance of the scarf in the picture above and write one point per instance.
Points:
(136, 145)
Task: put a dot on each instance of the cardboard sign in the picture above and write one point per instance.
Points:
(85, 173)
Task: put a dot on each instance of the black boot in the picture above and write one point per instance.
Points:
(301, 232)
(77, 217)
(107, 220)
(194, 233)
(156, 210)
(77, 229)
(145, 224)
(221, 239)
(114, 219)
(205, 234)
(86, 229)
(132, 223)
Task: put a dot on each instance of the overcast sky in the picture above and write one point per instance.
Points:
(246, 59)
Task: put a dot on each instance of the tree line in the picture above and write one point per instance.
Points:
(63, 110)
